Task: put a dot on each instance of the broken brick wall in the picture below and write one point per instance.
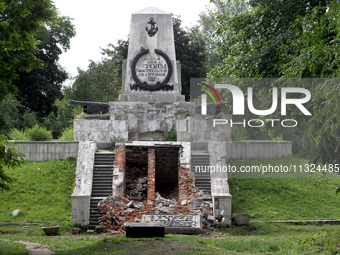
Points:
(118, 171)
(149, 173)
(150, 170)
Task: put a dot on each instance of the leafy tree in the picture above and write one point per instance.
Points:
(190, 51)
(249, 43)
(38, 89)
(313, 52)
(8, 158)
(15, 115)
(295, 39)
(62, 118)
(9, 110)
(208, 22)
(19, 24)
(102, 81)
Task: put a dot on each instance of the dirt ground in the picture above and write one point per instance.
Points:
(159, 246)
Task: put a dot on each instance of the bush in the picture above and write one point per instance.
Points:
(67, 134)
(18, 135)
(172, 135)
(37, 133)
(113, 141)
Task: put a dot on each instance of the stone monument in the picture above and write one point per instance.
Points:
(151, 72)
(149, 107)
(151, 99)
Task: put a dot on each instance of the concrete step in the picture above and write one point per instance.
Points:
(202, 179)
(102, 183)
(102, 172)
(203, 175)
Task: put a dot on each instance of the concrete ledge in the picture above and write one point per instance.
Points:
(46, 150)
(258, 149)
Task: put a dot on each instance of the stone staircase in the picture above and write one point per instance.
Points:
(202, 179)
(102, 183)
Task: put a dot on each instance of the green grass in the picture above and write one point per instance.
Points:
(258, 238)
(41, 191)
(10, 248)
(285, 198)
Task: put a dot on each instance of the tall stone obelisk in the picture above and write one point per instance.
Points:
(151, 72)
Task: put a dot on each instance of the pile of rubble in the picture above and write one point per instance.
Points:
(136, 183)
(120, 210)
(131, 206)
(137, 190)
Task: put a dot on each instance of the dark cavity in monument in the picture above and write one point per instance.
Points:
(136, 173)
(167, 172)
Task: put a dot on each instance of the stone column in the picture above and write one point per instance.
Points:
(219, 181)
(119, 168)
(151, 177)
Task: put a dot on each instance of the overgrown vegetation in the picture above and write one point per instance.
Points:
(36, 133)
(113, 141)
(295, 196)
(297, 39)
(172, 135)
(259, 238)
(67, 134)
(41, 190)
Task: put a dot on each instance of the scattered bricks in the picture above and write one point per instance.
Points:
(76, 231)
(100, 229)
(136, 195)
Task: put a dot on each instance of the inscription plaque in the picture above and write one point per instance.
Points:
(151, 69)
(146, 69)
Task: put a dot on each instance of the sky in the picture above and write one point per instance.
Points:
(101, 22)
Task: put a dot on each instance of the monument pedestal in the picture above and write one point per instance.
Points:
(149, 121)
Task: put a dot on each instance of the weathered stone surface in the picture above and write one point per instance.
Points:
(219, 182)
(99, 130)
(151, 67)
(82, 192)
(199, 129)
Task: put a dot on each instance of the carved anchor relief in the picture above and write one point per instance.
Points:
(153, 29)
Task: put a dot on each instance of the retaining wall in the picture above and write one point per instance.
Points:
(258, 149)
(45, 151)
